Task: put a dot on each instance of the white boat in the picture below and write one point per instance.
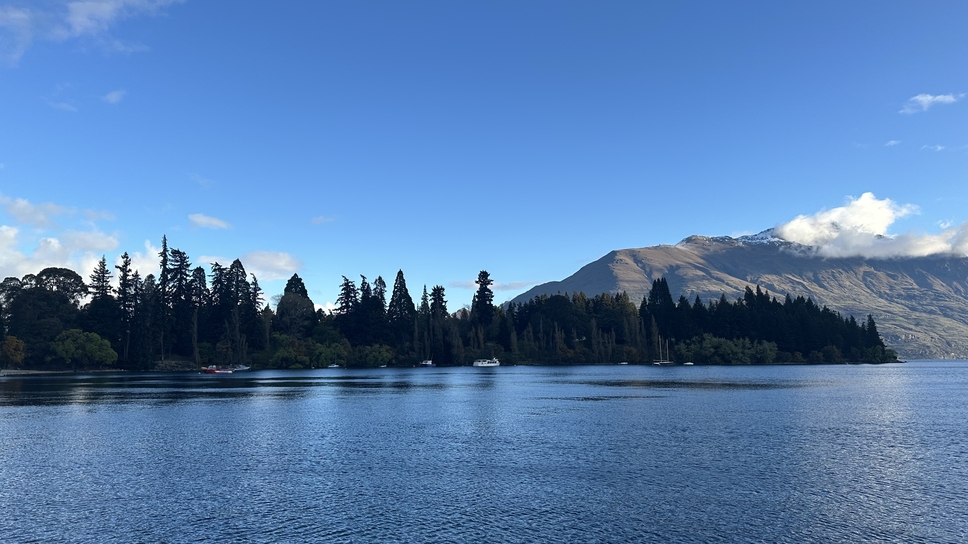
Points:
(240, 368)
(663, 361)
(334, 365)
(487, 362)
(624, 363)
(426, 364)
(689, 363)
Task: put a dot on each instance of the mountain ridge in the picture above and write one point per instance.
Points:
(920, 303)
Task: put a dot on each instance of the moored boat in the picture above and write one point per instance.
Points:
(487, 362)
(426, 364)
(213, 369)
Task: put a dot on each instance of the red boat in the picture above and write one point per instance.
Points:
(216, 370)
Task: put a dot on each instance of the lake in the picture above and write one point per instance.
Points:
(508, 454)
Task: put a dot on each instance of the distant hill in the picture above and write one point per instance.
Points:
(920, 303)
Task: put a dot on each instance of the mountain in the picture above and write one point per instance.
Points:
(920, 304)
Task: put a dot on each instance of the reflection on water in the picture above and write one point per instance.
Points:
(625, 453)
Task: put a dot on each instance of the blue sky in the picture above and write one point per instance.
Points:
(524, 138)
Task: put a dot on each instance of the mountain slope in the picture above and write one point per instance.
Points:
(920, 303)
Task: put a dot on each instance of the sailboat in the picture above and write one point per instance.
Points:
(663, 361)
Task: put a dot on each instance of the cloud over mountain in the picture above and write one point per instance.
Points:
(860, 229)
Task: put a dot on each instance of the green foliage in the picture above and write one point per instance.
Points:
(37, 316)
(372, 356)
(12, 352)
(710, 350)
(82, 350)
(219, 318)
(296, 286)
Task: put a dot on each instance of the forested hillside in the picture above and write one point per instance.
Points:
(188, 317)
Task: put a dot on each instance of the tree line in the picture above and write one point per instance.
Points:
(188, 317)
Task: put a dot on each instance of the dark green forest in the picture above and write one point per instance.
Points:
(188, 317)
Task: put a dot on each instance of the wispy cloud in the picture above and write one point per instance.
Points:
(319, 220)
(145, 263)
(266, 265)
(16, 33)
(207, 222)
(270, 265)
(511, 286)
(922, 102)
(77, 250)
(892, 143)
(202, 180)
(56, 100)
(31, 240)
(66, 106)
(36, 215)
(933, 147)
(114, 97)
(860, 228)
(62, 21)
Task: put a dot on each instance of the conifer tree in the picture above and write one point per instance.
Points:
(100, 286)
(482, 307)
(401, 312)
(438, 304)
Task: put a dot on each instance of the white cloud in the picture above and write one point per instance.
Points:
(860, 228)
(511, 286)
(319, 220)
(94, 215)
(66, 106)
(201, 180)
(145, 263)
(328, 308)
(15, 33)
(270, 265)
(932, 147)
(46, 244)
(114, 97)
(212, 259)
(37, 215)
(90, 19)
(892, 143)
(266, 265)
(923, 101)
(93, 241)
(207, 222)
(77, 250)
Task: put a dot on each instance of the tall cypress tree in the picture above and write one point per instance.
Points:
(401, 311)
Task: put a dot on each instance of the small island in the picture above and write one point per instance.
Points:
(189, 318)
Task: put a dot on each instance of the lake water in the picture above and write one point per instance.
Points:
(509, 454)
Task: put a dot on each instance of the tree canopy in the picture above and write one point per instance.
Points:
(187, 317)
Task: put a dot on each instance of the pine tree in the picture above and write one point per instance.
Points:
(401, 312)
(100, 286)
(424, 302)
(482, 307)
(349, 297)
(296, 285)
(438, 304)
(380, 293)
